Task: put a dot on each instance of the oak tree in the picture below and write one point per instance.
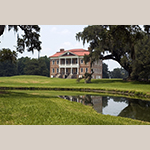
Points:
(28, 40)
(116, 42)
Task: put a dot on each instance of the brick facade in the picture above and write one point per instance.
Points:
(70, 64)
(54, 67)
(97, 68)
(83, 68)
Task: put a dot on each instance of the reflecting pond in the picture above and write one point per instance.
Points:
(115, 106)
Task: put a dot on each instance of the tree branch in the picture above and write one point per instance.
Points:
(2, 27)
(108, 57)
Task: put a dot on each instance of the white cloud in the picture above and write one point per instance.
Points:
(65, 32)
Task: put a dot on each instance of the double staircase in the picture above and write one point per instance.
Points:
(68, 76)
(72, 76)
(58, 75)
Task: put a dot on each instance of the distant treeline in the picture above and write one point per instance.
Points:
(41, 66)
(26, 66)
(116, 73)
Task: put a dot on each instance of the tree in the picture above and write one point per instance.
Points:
(21, 64)
(7, 68)
(119, 73)
(105, 71)
(28, 40)
(47, 62)
(141, 65)
(36, 67)
(116, 42)
(8, 64)
(7, 54)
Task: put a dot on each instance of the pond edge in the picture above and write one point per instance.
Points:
(119, 92)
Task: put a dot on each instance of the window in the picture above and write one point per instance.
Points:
(81, 69)
(53, 62)
(67, 70)
(86, 69)
(81, 61)
(57, 62)
(57, 70)
(53, 70)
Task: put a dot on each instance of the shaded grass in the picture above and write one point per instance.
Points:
(44, 108)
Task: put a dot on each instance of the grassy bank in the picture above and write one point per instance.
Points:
(43, 107)
(117, 86)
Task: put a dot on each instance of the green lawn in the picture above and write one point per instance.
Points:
(104, 84)
(45, 108)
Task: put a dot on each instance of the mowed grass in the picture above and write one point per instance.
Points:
(45, 108)
(106, 84)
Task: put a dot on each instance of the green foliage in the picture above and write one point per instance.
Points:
(116, 42)
(27, 66)
(141, 65)
(7, 54)
(2, 27)
(119, 73)
(7, 68)
(8, 65)
(36, 67)
(28, 40)
(105, 72)
(23, 66)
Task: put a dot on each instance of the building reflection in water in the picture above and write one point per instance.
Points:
(94, 101)
(115, 106)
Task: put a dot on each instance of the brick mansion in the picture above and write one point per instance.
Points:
(70, 64)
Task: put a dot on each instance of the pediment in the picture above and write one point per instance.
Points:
(68, 54)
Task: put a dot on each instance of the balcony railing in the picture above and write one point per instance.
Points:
(69, 65)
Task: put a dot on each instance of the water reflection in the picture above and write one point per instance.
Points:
(137, 109)
(116, 106)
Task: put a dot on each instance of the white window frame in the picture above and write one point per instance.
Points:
(81, 61)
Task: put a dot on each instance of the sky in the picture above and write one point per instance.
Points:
(53, 38)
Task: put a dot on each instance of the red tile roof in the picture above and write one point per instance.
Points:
(78, 52)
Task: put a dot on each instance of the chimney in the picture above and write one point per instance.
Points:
(62, 49)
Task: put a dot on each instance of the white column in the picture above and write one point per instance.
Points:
(65, 65)
(71, 70)
(59, 65)
(78, 65)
